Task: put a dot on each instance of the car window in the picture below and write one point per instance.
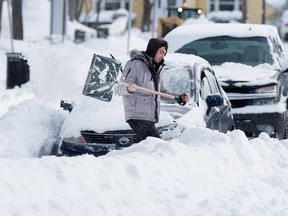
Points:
(277, 48)
(218, 50)
(205, 88)
(178, 79)
(209, 84)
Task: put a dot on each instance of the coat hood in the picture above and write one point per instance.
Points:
(141, 55)
(153, 46)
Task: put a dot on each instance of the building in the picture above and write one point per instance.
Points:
(248, 11)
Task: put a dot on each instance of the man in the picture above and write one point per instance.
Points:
(144, 69)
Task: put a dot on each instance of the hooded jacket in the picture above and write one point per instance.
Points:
(142, 71)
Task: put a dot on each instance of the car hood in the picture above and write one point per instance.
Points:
(99, 116)
(237, 73)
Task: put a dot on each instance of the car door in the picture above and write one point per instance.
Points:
(217, 118)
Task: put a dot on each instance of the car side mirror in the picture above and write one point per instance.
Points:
(214, 100)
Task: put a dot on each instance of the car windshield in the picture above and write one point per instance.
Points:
(218, 50)
(185, 14)
(178, 79)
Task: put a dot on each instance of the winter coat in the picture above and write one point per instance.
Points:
(141, 71)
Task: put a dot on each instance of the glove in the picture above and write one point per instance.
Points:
(179, 99)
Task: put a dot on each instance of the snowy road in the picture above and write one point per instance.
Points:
(204, 173)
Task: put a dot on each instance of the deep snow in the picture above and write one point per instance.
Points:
(201, 173)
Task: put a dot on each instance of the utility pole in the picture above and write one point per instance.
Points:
(244, 11)
(129, 25)
(155, 18)
(263, 12)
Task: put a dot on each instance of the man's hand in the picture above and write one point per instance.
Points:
(185, 97)
(132, 88)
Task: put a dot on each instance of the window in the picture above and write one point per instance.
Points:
(205, 88)
(127, 6)
(209, 85)
(218, 50)
(112, 6)
(225, 5)
(277, 47)
(213, 82)
(171, 2)
(177, 79)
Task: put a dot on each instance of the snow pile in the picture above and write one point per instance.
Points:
(203, 172)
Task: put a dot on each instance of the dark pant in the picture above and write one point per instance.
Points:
(143, 128)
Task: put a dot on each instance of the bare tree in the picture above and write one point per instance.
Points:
(146, 16)
(75, 8)
(244, 11)
(72, 4)
(17, 19)
(263, 20)
(78, 8)
(98, 3)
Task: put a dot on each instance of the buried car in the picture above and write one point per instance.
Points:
(251, 65)
(97, 127)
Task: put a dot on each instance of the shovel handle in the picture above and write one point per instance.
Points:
(149, 91)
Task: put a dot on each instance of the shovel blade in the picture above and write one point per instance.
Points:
(101, 78)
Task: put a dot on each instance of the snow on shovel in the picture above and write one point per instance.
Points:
(102, 76)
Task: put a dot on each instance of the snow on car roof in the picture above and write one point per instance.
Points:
(180, 59)
(187, 33)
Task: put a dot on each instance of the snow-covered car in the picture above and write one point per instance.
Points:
(283, 26)
(97, 127)
(251, 65)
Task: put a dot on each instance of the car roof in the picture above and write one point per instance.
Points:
(187, 33)
(196, 63)
(184, 59)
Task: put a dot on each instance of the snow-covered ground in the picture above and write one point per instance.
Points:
(202, 173)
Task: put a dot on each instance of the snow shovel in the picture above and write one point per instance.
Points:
(102, 77)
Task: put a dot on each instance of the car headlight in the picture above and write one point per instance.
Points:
(265, 101)
(267, 89)
(267, 95)
(269, 129)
